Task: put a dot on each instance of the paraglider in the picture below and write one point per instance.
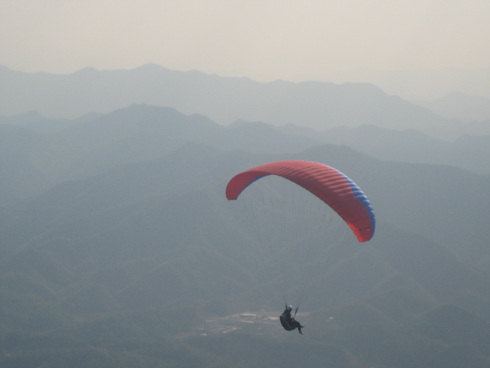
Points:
(288, 321)
(328, 184)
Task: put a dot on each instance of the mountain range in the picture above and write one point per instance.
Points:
(119, 248)
(317, 105)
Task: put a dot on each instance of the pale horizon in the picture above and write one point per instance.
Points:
(262, 40)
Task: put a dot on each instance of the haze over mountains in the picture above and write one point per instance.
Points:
(224, 100)
(425, 84)
(460, 106)
(118, 247)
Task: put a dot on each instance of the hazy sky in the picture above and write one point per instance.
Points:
(262, 39)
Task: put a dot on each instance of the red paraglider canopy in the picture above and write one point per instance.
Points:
(330, 185)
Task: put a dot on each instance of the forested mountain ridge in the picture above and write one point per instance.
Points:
(36, 152)
(120, 249)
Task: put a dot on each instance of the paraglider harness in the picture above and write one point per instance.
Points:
(288, 321)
